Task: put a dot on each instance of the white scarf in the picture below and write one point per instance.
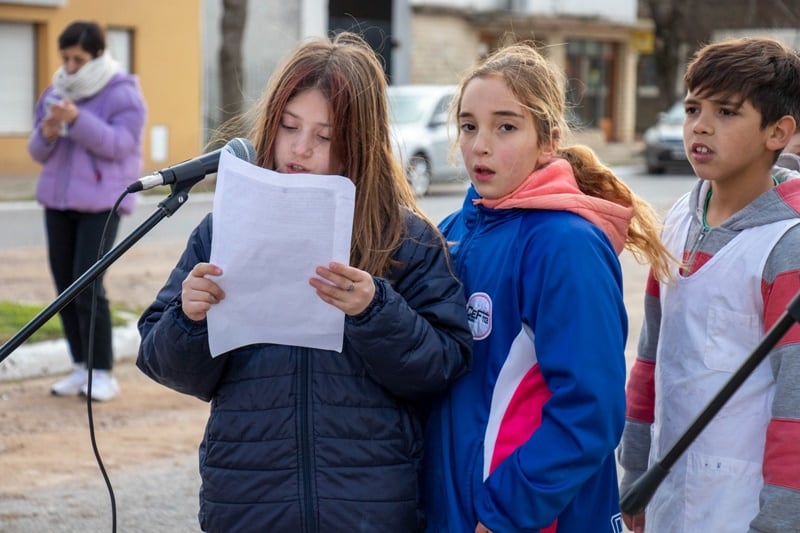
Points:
(88, 80)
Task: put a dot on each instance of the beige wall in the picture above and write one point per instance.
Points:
(443, 47)
(166, 58)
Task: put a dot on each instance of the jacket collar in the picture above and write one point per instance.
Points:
(553, 187)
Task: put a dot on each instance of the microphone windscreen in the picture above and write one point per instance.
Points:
(242, 148)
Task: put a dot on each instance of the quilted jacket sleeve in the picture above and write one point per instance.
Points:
(414, 337)
(174, 349)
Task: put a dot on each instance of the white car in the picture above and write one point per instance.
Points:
(422, 137)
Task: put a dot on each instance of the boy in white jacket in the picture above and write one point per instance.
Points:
(738, 233)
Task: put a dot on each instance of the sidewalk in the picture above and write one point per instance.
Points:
(17, 188)
(49, 358)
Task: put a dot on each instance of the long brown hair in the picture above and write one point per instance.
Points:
(540, 87)
(347, 72)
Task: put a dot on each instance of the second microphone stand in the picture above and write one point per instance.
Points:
(638, 495)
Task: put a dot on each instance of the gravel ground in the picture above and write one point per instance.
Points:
(147, 438)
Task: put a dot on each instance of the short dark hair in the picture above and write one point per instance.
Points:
(758, 70)
(88, 35)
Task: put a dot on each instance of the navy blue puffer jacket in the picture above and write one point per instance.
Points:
(307, 440)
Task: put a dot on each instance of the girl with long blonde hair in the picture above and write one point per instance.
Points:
(525, 441)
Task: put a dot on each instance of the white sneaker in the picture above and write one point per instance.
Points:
(104, 386)
(72, 384)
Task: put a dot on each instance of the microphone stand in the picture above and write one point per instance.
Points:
(639, 493)
(168, 206)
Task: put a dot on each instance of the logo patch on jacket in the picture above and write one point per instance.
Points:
(479, 315)
(616, 523)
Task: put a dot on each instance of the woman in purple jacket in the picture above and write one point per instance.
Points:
(87, 136)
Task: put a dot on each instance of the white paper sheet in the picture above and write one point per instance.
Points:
(270, 232)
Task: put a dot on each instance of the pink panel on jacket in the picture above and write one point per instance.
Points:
(522, 417)
(782, 454)
(641, 392)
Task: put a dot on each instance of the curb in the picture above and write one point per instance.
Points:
(49, 358)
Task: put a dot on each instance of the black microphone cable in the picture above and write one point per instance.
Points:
(90, 367)
(242, 149)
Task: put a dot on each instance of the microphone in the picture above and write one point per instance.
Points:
(195, 168)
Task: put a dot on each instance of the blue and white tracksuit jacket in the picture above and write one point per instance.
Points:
(525, 441)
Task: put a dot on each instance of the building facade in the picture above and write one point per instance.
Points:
(175, 54)
(274, 28)
(156, 40)
(433, 41)
(596, 43)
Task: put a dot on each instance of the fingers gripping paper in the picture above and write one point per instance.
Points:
(270, 232)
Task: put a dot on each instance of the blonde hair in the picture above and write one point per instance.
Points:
(347, 72)
(540, 87)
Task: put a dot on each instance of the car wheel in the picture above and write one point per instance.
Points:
(651, 169)
(419, 175)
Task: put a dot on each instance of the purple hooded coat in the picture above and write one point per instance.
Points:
(89, 168)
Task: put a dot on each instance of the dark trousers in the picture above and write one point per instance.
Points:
(73, 241)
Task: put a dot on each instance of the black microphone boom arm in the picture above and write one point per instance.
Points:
(639, 493)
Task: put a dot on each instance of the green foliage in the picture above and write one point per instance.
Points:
(15, 316)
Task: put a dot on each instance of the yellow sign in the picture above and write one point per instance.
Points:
(642, 41)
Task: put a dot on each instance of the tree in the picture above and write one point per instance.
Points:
(680, 29)
(669, 19)
(234, 17)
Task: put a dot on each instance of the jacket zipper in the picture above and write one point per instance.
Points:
(61, 200)
(696, 248)
(466, 243)
(306, 434)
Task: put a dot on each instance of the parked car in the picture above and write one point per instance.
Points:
(422, 137)
(664, 142)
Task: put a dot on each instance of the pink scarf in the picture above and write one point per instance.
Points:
(553, 187)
